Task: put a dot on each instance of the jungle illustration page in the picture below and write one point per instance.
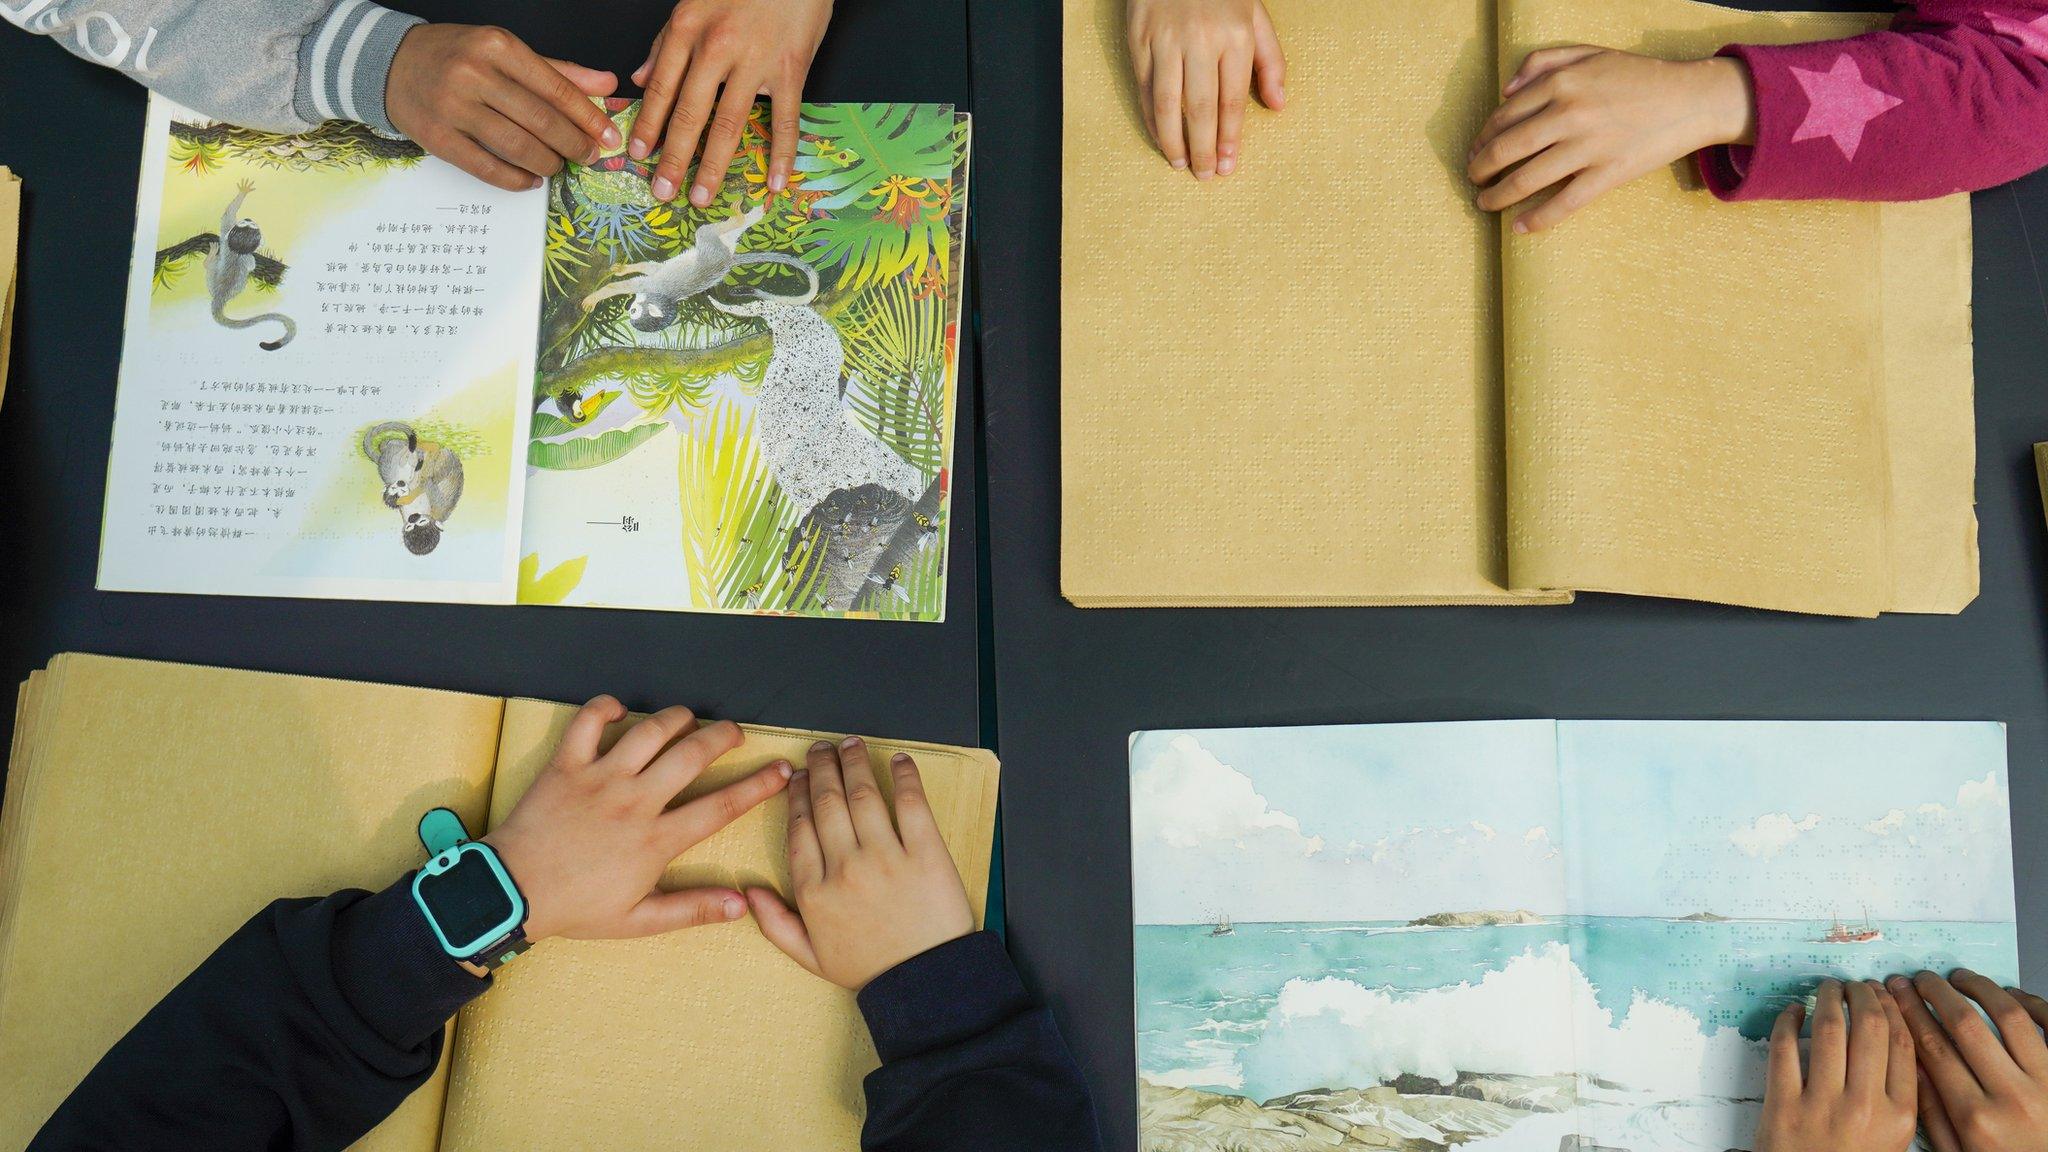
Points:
(349, 370)
(1534, 935)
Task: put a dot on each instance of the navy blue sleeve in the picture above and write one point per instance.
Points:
(969, 1060)
(302, 1031)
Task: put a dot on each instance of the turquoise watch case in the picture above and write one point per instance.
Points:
(445, 837)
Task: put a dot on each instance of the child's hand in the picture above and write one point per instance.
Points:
(588, 842)
(1981, 1090)
(750, 47)
(1195, 61)
(480, 99)
(871, 894)
(1584, 120)
(1857, 1094)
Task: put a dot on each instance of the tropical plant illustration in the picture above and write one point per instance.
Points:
(337, 145)
(845, 282)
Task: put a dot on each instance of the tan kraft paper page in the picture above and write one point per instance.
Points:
(122, 867)
(709, 1037)
(1764, 404)
(1284, 387)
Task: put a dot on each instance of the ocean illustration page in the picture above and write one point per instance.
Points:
(1533, 935)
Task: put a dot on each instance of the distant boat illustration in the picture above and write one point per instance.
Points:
(1222, 927)
(1840, 933)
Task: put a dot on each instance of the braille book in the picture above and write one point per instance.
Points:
(1330, 379)
(219, 791)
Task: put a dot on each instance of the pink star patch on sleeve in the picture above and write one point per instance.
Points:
(2031, 34)
(1840, 104)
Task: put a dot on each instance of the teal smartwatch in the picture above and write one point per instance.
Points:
(467, 896)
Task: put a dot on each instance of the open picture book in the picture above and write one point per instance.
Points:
(151, 809)
(1532, 935)
(352, 370)
(1330, 379)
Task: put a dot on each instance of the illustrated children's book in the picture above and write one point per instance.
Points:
(218, 791)
(1534, 935)
(351, 370)
(1331, 379)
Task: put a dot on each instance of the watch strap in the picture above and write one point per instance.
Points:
(440, 830)
(502, 953)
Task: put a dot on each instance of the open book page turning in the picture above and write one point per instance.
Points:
(1501, 935)
(350, 370)
(1353, 387)
(218, 791)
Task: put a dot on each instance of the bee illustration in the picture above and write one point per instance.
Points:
(890, 583)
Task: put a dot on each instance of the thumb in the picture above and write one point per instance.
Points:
(589, 80)
(783, 928)
(1269, 64)
(659, 911)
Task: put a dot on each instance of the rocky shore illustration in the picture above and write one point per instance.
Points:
(1482, 919)
(1407, 1114)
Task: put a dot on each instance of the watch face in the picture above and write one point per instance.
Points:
(467, 900)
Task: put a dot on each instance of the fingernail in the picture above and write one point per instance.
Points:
(1962, 972)
(1898, 983)
(1178, 164)
(783, 769)
(733, 907)
(777, 181)
(1521, 225)
(664, 188)
(611, 136)
(700, 196)
(637, 149)
(822, 746)
(1225, 166)
(1204, 174)
(535, 183)
(850, 742)
(899, 758)
(797, 777)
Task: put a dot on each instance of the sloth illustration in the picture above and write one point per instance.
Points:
(658, 288)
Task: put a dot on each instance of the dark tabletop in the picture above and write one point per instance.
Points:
(1067, 685)
(73, 132)
(1072, 684)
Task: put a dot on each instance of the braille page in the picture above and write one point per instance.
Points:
(1698, 392)
(709, 1038)
(1930, 422)
(1283, 386)
(151, 809)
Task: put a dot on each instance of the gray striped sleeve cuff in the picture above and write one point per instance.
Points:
(345, 61)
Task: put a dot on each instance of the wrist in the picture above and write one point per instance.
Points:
(515, 856)
(1728, 101)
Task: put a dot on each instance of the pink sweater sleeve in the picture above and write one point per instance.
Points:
(1951, 98)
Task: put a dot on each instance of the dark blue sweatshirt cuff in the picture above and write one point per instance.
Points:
(393, 972)
(942, 997)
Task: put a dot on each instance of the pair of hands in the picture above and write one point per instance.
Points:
(482, 100)
(589, 841)
(1883, 1056)
(1578, 121)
